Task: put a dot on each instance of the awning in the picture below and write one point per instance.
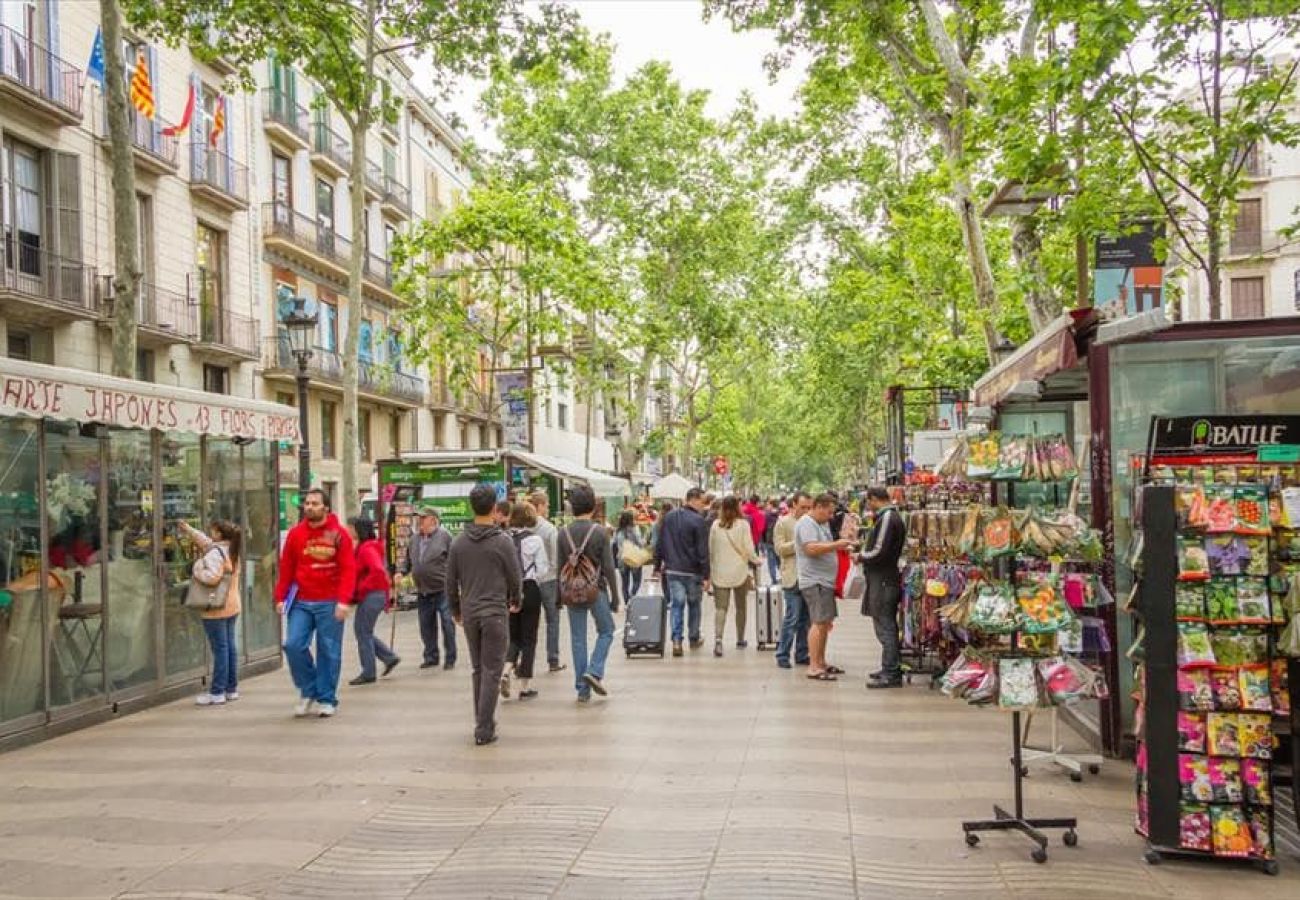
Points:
(604, 485)
(56, 392)
(1050, 351)
(671, 487)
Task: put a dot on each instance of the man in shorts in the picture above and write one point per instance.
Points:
(816, 566)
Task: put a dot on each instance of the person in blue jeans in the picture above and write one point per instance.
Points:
(795, 622)
(316, 583)
(221, 549)
(682, 555)
(588, 537)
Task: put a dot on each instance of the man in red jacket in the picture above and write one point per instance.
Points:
(319, 563)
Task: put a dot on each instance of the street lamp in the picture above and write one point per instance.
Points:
(300, 326)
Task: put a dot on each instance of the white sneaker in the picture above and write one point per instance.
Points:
(232, 696)
(326, 710)
(209, 699)
(505, 685)
(303, 708)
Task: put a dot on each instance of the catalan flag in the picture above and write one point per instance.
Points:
(218, 121)
(142, 86)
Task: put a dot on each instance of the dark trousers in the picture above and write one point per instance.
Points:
(363, 626)
(883, 595)
(433, 609)
(523, 631)
(488, 637)
(631, 578)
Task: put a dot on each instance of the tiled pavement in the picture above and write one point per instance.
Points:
(696, 778)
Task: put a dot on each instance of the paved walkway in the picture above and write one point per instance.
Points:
(697, 777)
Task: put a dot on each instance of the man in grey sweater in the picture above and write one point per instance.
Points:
(426, 563)
(484, 585)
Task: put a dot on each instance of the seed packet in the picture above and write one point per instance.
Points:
(1254, 683)
(1239, 646)
(1231, 833)
(1222, 734)
(1228, 554)
(1070, 638)
(1252, 599)
(1194, 691)
(1194, 827)
(998, 534)
(1194, 778)
(1222, 512)
(1257, 547)
(1189, 600)
(1225, 779)
(983, 459)
(994, 611)
(1255, 782)
(1192, 507)
(1043, 644)
(1252, 509)
(1012, 456)
(1254, 735)
(965, 672)
(1261, 834)
(1018, 686)
(1279, 688)
(1225, 684)
(1191, 732)
(1193, 562)
(1042, 609)
(1194, 648)
(1221, 600)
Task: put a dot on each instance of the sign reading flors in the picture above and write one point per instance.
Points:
(1192, 435)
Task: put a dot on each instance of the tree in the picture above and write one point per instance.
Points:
(344, 47)
(126, 265)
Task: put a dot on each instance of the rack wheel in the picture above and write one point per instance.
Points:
(1039, 855)
(1094, 769)
(1270, 867)
(1071, 838)
(1152, 858)
(1076, 777)
(972, 839)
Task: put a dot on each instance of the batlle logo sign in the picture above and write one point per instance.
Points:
(1224, 434)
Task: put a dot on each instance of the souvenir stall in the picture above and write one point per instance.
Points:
(1217, 606)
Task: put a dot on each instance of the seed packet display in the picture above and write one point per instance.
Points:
(1254, 735)
(1255, 782)
(1231, 832)
(1194, 648)
(1252, 509)
(1189, 600)
(1222, 510)
(1194, 828)
(1252, 600)
(1256, 695)
(1194, 778)
(1193, 561)
(1261, 834)
(1239, 646)
(1222, 734)
(1018, 683)
(1221, 600)
(1194, 691)
(1191, 732)
(1225, 684)
(1225, 779)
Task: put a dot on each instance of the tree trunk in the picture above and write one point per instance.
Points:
(1027, 250)
(352, 340)
(126, 266)
(972, 234)
(629, 438)
(688, 439)
(1213, 256)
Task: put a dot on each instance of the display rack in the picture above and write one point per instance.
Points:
(1055, 753)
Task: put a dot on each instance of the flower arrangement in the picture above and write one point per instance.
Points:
(67, 496)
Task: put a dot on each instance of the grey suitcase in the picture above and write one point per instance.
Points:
(768, 604)
(645, 629)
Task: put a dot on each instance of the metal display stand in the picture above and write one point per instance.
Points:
(1074, 763)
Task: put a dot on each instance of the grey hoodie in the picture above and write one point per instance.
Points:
(483, 576)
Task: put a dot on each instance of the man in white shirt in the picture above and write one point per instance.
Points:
(546, 581)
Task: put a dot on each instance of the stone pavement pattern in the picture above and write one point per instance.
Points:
(696, 778)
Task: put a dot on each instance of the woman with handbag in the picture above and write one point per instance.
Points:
(372, 590)
(524, 621)
(631, 553)
(732, 563)
(214, 591)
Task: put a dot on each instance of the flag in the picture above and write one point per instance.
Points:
(95, 68)
(218, 121)
(181, 126)
(142, 86)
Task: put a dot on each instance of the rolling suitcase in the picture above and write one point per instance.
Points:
(767, 616)
(645, 631)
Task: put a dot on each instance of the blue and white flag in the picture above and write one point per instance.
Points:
(95, 68)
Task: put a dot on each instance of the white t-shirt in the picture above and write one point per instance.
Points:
(813, 570)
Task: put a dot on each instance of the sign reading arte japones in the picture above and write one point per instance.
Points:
(1227, 435)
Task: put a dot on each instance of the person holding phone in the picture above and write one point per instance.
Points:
(221, 549)
(817, 567)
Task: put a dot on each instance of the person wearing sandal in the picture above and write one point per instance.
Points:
(816, 566)
(732, 562)
(372, 591)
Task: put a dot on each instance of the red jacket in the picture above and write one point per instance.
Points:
(372, 572)
(320, 560)
(757, 521)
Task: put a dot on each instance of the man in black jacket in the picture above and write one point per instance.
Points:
(682, 556)
(879, 559)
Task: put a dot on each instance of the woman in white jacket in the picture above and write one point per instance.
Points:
(221, 549)
(732, 561)
(523, 621)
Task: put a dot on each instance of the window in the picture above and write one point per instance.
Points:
(286, 398)
(144, 243)
(366, 342)
(216, 379)
(395, 350)
(550, 414)
(1248, 298)
(1253, 164)
(363, 434)
(22, 164)
(20, 346)
(282, 186)
(325, 207)
(563, 423)
(209, 260)
(464, 437)
(390, 235)
(331, 489)
(1248, 229)
(439, 430)
(395, 434)
(144, 370)
(329, 322)
(483, 437)
(328, 445)
(390, 162)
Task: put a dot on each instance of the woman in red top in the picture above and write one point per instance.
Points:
(373, 587)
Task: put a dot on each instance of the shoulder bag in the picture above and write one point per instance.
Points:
(209, 596)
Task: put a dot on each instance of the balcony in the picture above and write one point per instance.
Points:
(325, 367)
(378, 274)
(330, 151)
(278, 361)
(220, 64)
(397, 198)
(226, 335)
(374, 181)
(285, 120)
(163, 317)
(39, 287)
(217, 178)
(304, 239)
(155, 152)
(383, 381)
(1253, 243)
(38, 81)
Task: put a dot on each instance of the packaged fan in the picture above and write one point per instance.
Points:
(967, 672)
(998, 534)
(1255, 782)
(1231, 833)
(1062, 682)
(1042, 610)
(1189, 600)
(1223, 737)
(995, 610)
(1191, 732)
(1257, 547)
(1194, 691)
(1061, 464)
(1193, 561)
(1253, 682)
(1070, 638)
(1252, 600)
(1194, 647)
(953, 464)
(1194, 778)
(1255, 735)
(1225, 779)
(1017, 683)
(982, 459)
(1252, 510)
(1226, 688)
(1194, 827)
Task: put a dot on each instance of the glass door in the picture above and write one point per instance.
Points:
(132, 538)
(184, 645)
(261, 624)
(25, 622)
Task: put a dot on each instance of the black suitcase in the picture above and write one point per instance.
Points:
(645, 631)
(767, 616)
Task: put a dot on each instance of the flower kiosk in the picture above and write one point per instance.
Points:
(95, 474)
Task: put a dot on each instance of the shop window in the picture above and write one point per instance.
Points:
(144, 365)
(184, 644)
(363, 433)
(260, 623)
(20, 345)
(26, 620)
(1248, 298)
(328, 425)
(216, 379)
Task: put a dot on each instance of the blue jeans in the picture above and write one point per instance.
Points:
(434, 610)
(685, 591)
(631, 581)
(551, 608)
(319, 679)
(225, 659)
(604, 617)
(773, 563)
(363, 626)
(794, 628)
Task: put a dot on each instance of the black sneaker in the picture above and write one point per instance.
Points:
(427, 664)
(882, 683)
(876, 676)
(595, 684)
(483, 742)
(448, 667)
(391, 665)
(558, 667)
(697, 643)
(677, 648)
(741, 645)
(361, 679)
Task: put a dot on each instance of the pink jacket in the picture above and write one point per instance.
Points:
(757, 521)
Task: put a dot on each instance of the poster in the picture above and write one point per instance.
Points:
(512, 388)
(1129, 277)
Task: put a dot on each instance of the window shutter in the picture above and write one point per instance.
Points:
(65, 202)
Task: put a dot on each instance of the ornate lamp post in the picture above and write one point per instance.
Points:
(300, 326)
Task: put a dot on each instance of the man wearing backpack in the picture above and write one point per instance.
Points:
(587, 584)
(484, 585)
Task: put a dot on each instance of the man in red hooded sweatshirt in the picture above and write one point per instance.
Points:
(318, 562)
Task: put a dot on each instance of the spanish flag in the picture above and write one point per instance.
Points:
(218, 121)
(142, 86)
